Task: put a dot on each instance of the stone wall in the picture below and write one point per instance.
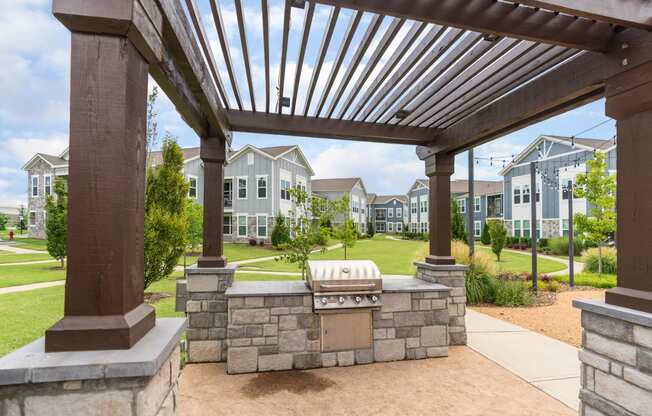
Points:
(206, 309)
(453, 277)
(550, 228)
(616, 357)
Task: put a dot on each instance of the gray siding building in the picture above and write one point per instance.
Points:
(335, 188)
(559, 160)
(388, 213)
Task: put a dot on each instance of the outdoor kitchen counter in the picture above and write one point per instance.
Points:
(410, 284)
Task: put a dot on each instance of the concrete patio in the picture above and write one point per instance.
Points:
(465, 383)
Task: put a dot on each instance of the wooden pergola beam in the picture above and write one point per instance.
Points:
(251, 122)
(490, 16)
(572, 84)
(632, 13)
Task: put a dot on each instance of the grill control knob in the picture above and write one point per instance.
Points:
(358, 299)
(340, 300)
(374, 298)
(324, 300)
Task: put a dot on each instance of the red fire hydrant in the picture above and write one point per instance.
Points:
(11, 235)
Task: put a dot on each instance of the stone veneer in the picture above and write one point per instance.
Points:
(616, 357)
(451, 276)
(550, 228)
(270, 331)
(206, 309)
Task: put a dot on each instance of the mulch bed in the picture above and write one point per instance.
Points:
(152, 298)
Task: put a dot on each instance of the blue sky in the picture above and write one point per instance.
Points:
(34, 107)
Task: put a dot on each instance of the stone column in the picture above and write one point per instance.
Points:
(629, 101)
(439, 168)
(213, 155)
(104, 306)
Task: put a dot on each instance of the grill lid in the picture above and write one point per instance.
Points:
(343, 270)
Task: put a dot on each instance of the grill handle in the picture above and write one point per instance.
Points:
(348, 286)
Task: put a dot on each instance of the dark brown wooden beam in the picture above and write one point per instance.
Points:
(248, 121)
(572, 84)
(490, 16)
(631, 13)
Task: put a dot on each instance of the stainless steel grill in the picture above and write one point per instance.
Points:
(351, 284)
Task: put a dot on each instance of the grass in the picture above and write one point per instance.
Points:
(9, 257)
(244, 276)
(606, 281)
(30, 273)
(519, 263)
(28, 243)
(236, 252)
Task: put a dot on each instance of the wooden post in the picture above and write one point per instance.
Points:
(533, 222)
(571, 238)
(439, 168)
(104, 306)
(629, 101)
(471, 205)
(213, 154)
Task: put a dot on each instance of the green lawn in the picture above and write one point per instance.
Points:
(9, 257)
(392, 257)
(235, 252)
(519, 263)
(29, 243)
(30, 273)
(606, 281)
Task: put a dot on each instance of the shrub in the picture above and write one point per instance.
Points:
(551, 286)
(559, 245)
(482, 263)
(280, 232)
(485, 237)
(479, 287)
(370, 229)
(253, 242)
(591, 259)
(512, 293)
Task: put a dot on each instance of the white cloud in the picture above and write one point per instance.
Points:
(4, 170)
(23, 148)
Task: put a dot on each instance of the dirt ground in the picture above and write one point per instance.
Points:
(463, 384)
(559, 320)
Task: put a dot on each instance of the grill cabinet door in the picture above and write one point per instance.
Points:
(345, 331)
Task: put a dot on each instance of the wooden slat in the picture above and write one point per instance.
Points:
(415, 30)
(302, 52)
(341, 53)
(373, 27)
(630, 13)
(208, 51)
(465, 69)
(226, 52)
(491, 16)
(424, 45)
(284, 54)
(441, 50)
(286, 124)
(245, 51)
(321, 55)
(265, 15)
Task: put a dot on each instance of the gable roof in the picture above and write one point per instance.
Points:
(383, 199)
(335, 184)
(52, 160)
(274, 153)
(461, 186)
(156, 157)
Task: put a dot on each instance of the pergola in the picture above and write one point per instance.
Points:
(463, 73)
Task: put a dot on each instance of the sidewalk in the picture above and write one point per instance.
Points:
(18, 250)
(550, 365)
(25, 288)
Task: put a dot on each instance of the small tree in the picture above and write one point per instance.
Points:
(165, 214)
(498, 236)
(370, 229)
(306, 235)
(347, 233)
(56, 226)
(4, 219)
(20, 222)
(599, 189)
(280, 232)
(485, 237)
(195, 224)
(457, 222)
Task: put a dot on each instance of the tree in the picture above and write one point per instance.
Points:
(457, 222)
(4, 219)
(306, 234)
(56, 225)
(280, 232)
(370, 229)
(599, 189)
(347, 233)
(195, 224)
(20, 222)
(165, 214)
(151, 137)
(485, 237)
(498, 235)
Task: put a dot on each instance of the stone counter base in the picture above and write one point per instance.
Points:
(616, 357)
(281, 332)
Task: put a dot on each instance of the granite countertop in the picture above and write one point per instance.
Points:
(410, 284)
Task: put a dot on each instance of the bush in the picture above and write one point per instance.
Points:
(479, 287)
(512, 293)
(591, 259)
(543, 242)
(280, 232)
(370, 229)
(559, 245)
(485, 237)
(253, 242)
(482, 263)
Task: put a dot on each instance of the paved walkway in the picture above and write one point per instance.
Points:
(18, 250)
(25, 288)
(29, 262)
(550, 365)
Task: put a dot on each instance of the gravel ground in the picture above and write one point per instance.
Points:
(559, 320)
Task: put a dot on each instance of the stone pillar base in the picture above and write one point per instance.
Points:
(206, 309)
(451, 275)
(616, 357)
(142, 380)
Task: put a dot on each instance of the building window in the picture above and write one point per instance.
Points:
(477, 228)
(539, 229)
(423, 206)
(228, 225)
(399, 213)
(517, 228)
(399, 227)
(261, 225)
(526, 194)
(228, 193)
(261, 183)
(390, 213)
(301, 183)
(380, 227)
(285, 190)
(526, 228)
(242, 225)
(538, 194)
(517, 195)
(462, 205)
(390, 227)
(564, 228)
(32, 218)
(47, 183)
(476, 204)
(355, 206)
(192, 187)
(250, 158)
(564, 192)
(242, 188)
(34, 185)
(380, 214)
(414, 227)
(413, 206)
(45, 218)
